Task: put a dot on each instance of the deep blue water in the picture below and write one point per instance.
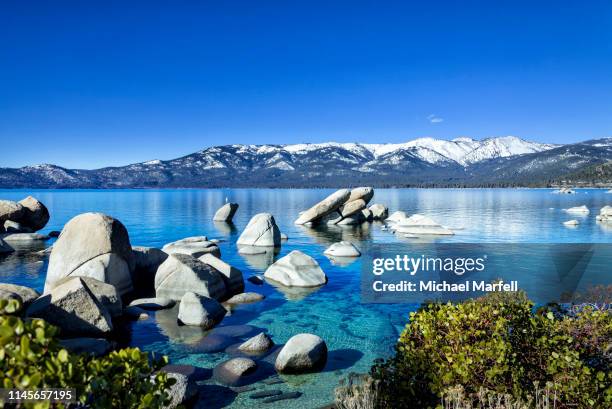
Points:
(355, 333)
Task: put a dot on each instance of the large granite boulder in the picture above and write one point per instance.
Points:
(226, 212)
(10, 210)
(296, 269)
(35, 214)
(605, 214)
(261, 231)
(379, 211)
(193, 246)
(232, 277)
(148, 259)
(363, 193)
(328, 205)
(342, 249)
(106, 294)
(352, 207)
(73, 308)
(200, 311)
(24, 294)
(92, 245)
(181, 273)
(302, 353)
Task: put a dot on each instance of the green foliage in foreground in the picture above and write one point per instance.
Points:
(500, 345)
(30, 358)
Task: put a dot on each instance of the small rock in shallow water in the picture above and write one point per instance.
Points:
(245, 298)
(156, 303)
(283, 396)
(257, 280)
(302, 353)
(265, 394)
(233, 371)
(213, 343)
(201, 311)
(257, 344)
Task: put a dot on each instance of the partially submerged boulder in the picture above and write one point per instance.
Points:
(73, 308)
(35, 214)
(193, 246)
(352, 220)
(379, 211)
(396, 217)
(232, 277)
(14, 227)
(605, 214)
(181, 273)
(418, 224)
(92, 245)
(258, 344)
(23, 237)
(261, 231)
(361, 193)
(226, 212)
(302, 353)
(350, 208)
(200, 311)
(578, 209)
(342, 249)
(296, 269)
(244, 298)
(328, 205)
(233, 371)
(156, 303)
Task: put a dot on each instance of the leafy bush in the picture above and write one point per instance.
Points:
(498, 344)
(30, 357)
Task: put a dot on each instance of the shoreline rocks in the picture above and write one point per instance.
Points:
(92, 245)
(296, 269)
(192, 246)
(26, 216)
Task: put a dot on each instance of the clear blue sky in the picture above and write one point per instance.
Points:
(86, 85)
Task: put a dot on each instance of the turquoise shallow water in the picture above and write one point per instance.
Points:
(355, 333)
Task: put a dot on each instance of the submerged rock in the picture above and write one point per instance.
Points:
(245, 298)
(343, 249)
(231, 372)
(91, 346)
(421, 225)
(578, 209)
(92, 245)
(251, 250)
(73, 308)
(226, 212)
(181, 273)
(571, 223)
(261, 231)
(302, 353)
(324, 207)
(200, 311)
(23, 237)
(296, 269)
(155, 303)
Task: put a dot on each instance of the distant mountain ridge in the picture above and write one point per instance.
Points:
(499, 161)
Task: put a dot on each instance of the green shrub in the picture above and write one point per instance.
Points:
(498, 344)
(30, 357)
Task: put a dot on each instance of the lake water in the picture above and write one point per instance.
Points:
(355, 333)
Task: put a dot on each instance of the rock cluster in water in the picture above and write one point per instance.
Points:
(19, 222)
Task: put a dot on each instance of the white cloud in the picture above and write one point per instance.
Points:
(434, 119)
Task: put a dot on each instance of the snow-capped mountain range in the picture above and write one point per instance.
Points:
(423, 161)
